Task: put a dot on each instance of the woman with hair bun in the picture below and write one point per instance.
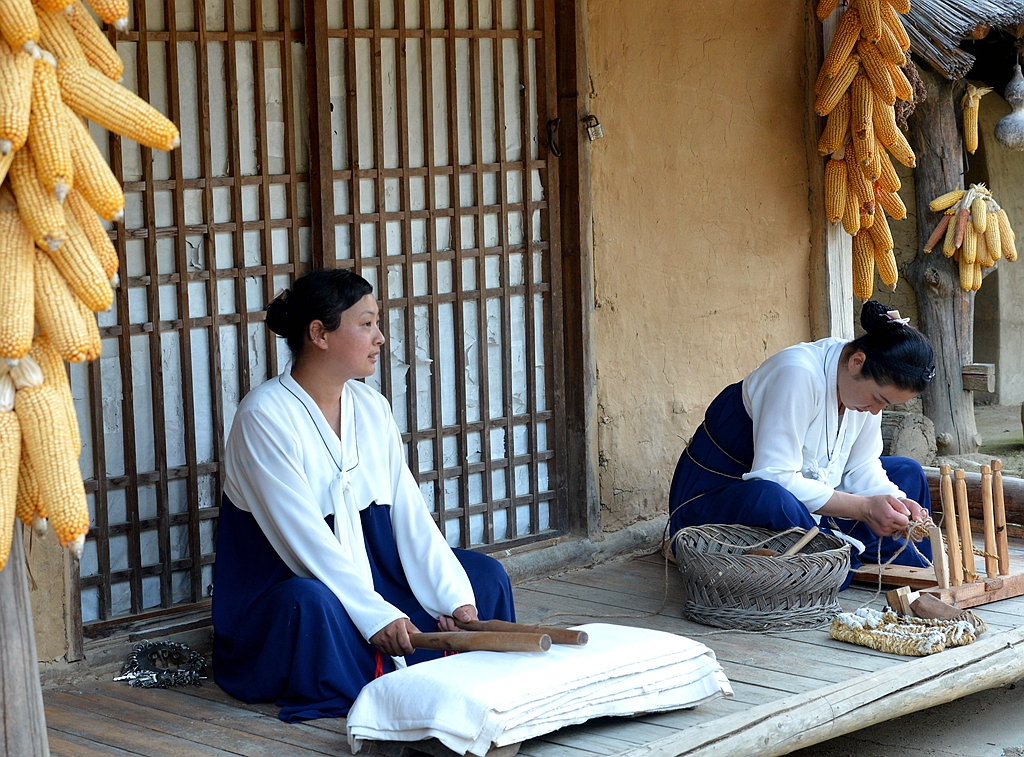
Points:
(327, 556)
(797, 443)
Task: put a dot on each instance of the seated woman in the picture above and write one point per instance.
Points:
(327, 557)
(797, 443)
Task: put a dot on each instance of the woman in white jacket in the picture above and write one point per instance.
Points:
(798, 443)
(327, 557)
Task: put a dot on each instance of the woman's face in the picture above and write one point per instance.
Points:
(354, 347)
(865, 395)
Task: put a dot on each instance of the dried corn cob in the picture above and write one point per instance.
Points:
(39, 208)
(112, 12)
(949, 243)
(888, 179)
(938, 233)
(824, 8)
(843, 41)
(858, 183)
(94, 42)
(970, 104)
(900, 6)
(891, 203)
(18, 25)
(881, 235)
(978, 277)
(966, 275)
(984, 258)
(873, 172)
(901, 150)
(969, 249)
(867, 215)
(835, 189)
(900, 83)
(861, 99)
(877, 70)
(81, 268)
(15, 97)
(947, 200)
(871, 18)
(883, 117)
(837, 86)
(887, 271)
(51, 449)
(92, 95)
(890, 48)
(47, 135)
(17, 257)
(1006, 236)
(979, 214)
(895, 25)
(99, 240)
(51, 365)
(93, 177)
(963, 217)
(851, 213)
(62, 316)
(56, 35)
(863, 266)
(50, 6)
(29, 506)
(10, 455)
(836, 128)
(992, 238)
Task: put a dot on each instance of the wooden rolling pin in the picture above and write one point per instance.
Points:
(558, 635)
(481, 641)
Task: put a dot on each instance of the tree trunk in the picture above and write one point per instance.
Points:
(945, 311)
(21, 697)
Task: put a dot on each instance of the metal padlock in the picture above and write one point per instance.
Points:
(594, 128)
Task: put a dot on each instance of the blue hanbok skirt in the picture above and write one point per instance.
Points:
(282, 638)
(707, 488)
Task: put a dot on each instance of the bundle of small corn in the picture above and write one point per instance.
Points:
(973, 230)
(57, 264)
(860, 80)
(970, 104)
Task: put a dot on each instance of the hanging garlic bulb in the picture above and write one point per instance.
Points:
(1010, 129)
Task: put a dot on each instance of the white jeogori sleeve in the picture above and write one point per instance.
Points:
(783, 408)
(864, 474)
(264, 460)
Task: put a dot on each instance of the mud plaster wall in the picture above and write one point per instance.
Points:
(701, 221)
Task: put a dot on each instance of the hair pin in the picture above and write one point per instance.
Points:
(894, 316)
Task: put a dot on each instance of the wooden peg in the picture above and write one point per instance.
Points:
(955, 560)
(963, 516)
(999, 512)
(988, 518)
(939, 557)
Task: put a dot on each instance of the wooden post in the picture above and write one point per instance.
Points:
(939, 561)
(991, 563)
(999, 511)
(21, 697)
(963, 515)
(956, 568)
(945, 311)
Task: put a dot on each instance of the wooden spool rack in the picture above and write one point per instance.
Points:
(954, 577)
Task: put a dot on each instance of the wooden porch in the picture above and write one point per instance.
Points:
(792, 690)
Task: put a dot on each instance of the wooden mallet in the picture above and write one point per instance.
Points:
(558, 635)
(481, 641)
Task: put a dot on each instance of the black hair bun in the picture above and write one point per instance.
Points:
(277, 315)
(873, 316)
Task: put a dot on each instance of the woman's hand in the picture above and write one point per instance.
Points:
(464, 614)
(886, 515)
(917, 513)
(393, 639)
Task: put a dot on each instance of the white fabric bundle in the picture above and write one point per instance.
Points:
(472, 700)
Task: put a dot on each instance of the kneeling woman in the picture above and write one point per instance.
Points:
(797, 443)
(327, 558)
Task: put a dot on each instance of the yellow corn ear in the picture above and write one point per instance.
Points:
(892, 20)
(971, 128)
(992, 236)
(881, 235)
(47, 135)
(89, 222)
(890, 48)
(887, 270)
(51, 449)
(888, 179)
(966, 275)
(50, 6)
(877, 71)
(871, 18)
(883, 117)
(861, 99)
(835, 189)
(891, 203)
(16, 68)
(979, 214)
(81, 268)
(867, 216)
(949, 245)
(860, 185)
(836, 128)
(900, 6)
(111, 12)
(29, 506)
(92, 95)
(56, 35)
(10, 456)
(851, 213)
(1006, 236)
(17, 258)
(984, 256)
(873, 171)
(837, 86)
(900, 83)
(843, 41)
(93, 177)
(978, 277)
(938, 233)
(39, 208)
(824, 8)
(902, 151)
(18, 24)
(863, 266)
(969, 249)
(62, 315)
(947, 200)
(56, 375)
(94, 43)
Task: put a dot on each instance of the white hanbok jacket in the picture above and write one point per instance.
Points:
(799, 440)
(285, 465)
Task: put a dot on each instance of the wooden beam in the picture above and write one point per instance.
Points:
(979, 377)
(321, 165)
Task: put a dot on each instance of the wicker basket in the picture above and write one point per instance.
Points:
(729, 589)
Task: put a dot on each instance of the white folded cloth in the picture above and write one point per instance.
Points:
(472, 700)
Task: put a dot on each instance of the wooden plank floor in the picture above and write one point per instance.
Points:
(770, 673)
